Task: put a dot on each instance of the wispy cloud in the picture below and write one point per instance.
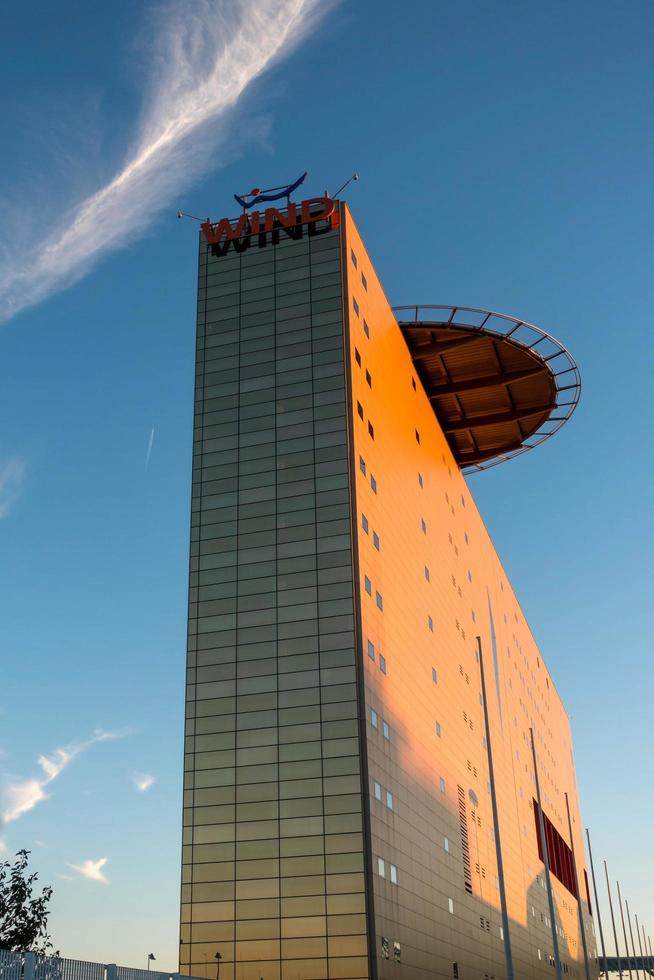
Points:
(207, 54)
(149, 450)
(143, 781)
(91, 870)
(12, 472)
(24, 795)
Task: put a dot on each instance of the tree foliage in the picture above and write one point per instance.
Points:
(23, 915)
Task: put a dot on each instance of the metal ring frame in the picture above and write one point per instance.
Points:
(565, 373)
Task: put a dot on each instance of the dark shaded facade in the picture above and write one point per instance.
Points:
(273, 842)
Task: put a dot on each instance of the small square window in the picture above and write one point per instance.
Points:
(379, 600)
(362, 465)
(386, 732)
(413, 384)
(353, 257)
(357, 357)
(364, 523)
(366, 329)
(356, 306)
(450, 906)
(397, 952)
(374, 719)
(441, 784)
(385, 947)
(463, 501)
(364, 281)
(430, 624)
(427, 575)
(474, 617)
(375, 540)
(382, 663)
(417, 436)
(371, 431)
(367, 584)
(423, 525)
(438, 729)
(371, 650)
(377, 789)
(360, 410)
(420, 480)
(446, 844)
(369, 379)
(434, 675)
(393, 871)
(465, 538)
(373, 484)
(469, 575)
(389, 799)
(381, 868)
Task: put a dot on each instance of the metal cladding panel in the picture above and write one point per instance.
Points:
(430, 581)
(273, 850)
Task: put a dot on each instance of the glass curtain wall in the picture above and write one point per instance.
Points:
(273, 866)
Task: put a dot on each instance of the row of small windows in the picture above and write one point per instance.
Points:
(371, 654)
(364, 281)
(392, 870)
(366, 328)
(383, 796)
(371, 428)
(357, 358)
(362, 467)
(366, 527)
(374, 721)
(378, 596)
(385, 950)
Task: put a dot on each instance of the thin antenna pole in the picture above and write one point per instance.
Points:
(546, 862)
(615, 933)
(650, 966)
(640, 946)
(579, 906)
(624, 931)
(346, 184)
(597, 908)
(508, 954)
(631, 933)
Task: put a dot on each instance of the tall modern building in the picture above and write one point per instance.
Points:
(344, 599)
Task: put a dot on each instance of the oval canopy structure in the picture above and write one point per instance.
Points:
(498, 385)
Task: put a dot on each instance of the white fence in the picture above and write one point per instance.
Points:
(30, 966)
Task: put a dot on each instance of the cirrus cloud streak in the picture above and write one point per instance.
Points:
(24, 795)
(208, 53)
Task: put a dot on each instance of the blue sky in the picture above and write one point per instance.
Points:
(505, 154)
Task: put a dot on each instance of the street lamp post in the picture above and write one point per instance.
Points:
(151, 957)
(217, 958)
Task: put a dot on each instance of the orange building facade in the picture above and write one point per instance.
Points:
(338, 808)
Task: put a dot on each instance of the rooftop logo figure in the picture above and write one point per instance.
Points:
(257, 195)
